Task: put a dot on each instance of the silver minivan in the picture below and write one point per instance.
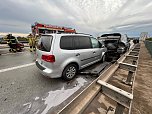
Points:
(62, 55)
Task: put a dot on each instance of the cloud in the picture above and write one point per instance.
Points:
(91, 16)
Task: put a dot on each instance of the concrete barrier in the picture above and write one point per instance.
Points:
(148, 45)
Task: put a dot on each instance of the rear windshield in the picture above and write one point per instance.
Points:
(44, 43)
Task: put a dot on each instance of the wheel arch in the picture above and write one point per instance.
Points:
(73, 63)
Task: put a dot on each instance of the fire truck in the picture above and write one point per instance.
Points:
(39, 28)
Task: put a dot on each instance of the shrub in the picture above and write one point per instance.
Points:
(149, 39)
(22, 39)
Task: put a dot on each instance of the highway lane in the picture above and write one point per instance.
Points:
(4, 50)
(8, 60)
(25, 90)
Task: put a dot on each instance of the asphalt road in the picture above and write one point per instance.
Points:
(8, 59)
(23, 90)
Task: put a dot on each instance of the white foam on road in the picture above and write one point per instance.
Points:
(16, 67)
(55, 98)
(28, 104)
(36, 98)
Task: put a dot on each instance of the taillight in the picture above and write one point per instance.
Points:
(48, 58)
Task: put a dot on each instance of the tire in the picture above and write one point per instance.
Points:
(14, 50)
(69, 72)
(10, 50)
(20, 50)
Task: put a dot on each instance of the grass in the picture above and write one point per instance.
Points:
(149, 39)
(148, 44)
(22, 39)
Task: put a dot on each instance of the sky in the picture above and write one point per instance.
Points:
(95, 17)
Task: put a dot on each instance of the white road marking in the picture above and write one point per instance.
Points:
(11, 53)
(16, 67)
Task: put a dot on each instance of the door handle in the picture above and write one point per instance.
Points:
(94, 52)
(77, 54)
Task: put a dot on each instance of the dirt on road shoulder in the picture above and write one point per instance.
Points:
(142, 103)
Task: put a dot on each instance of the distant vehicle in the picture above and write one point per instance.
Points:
(2, 41)
(39, 28)
(115, 43)
(136, 40)
(62, 55)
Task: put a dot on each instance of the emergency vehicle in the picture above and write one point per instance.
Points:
(39, 28)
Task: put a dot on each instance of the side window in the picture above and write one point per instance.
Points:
(95, 43)
(66, 42)
(82, 42)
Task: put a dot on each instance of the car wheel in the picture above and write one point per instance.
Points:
(10, 50)
(69, 72)
(20, 50)
(14, 50)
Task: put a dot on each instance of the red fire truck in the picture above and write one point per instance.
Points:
(39, 28)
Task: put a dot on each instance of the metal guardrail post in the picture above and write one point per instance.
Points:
(134, 62)
(129, 78)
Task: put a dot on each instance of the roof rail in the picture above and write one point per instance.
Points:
(72, 33)
(64, 33)
(84, 34)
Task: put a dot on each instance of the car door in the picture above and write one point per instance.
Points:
(83, 50)
(98, 51)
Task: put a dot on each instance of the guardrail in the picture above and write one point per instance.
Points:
(123, 98)
(148, 45)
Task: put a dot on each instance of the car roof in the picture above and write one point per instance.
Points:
(112, 34)
(66, 34)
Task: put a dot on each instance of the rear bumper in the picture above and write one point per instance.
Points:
(48, 72)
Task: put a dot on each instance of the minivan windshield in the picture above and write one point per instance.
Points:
(44, 43)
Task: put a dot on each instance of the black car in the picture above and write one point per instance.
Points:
(115, 43)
